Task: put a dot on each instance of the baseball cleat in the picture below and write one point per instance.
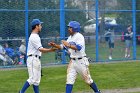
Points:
(110, 57)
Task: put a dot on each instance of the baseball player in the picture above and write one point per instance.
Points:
(79, 63)
(34, 52)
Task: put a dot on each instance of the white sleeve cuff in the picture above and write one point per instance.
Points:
(61, 45)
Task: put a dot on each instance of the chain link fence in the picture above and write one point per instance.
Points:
(95, 16)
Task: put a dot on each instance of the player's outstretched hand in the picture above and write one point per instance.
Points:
(65, 43)
(54, 48)
(51, 44)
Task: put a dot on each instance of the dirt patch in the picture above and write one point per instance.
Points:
(130, 90)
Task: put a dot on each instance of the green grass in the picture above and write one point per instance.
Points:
(106, 75)
(118, 52)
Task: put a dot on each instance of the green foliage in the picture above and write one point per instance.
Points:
(12, 4)
(124, 4)
(13, 17)
(124, 18)
(137, 17)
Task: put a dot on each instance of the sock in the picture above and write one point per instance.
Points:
(94, 87)
(69, 88)
(26, 85)
(36, 88)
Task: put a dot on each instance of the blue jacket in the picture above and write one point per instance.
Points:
(9, 51)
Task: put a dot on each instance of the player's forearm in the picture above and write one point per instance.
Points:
(44, 50)
(72, 47)
(57, 46)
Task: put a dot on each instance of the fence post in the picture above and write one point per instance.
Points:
(97, 55)
(26, 24)
(62, 27)
(134, 28)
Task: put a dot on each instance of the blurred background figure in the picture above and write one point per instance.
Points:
(109, 37)
(22, 47)
(22, 50)
(14, 55)
(2, 55)
(128, 41)
(5, 59)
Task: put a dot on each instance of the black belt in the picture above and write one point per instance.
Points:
(77, 58)
(37, 56)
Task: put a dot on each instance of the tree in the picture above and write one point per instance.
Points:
(12, 16)
(138, 17)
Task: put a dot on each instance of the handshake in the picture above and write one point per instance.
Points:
(56, 46)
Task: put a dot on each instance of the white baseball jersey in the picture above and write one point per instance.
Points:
(77, 39)
(80, 63)
(34, 44)
(33, 62)
(2, 53)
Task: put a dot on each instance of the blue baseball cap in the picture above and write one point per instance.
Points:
(75, 26)
(35, 22)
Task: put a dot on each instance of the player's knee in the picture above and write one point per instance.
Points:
(30, 82)
(70, 79)
(33, 82)
(70, 82)
(36, 83)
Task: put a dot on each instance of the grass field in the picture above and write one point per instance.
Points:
(118, 52)
(117, 75)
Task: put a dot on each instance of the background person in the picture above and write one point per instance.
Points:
(6, 60)
(128, 41)
(22, 50)
(14, 55)
(2, 55)
(110, 36)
